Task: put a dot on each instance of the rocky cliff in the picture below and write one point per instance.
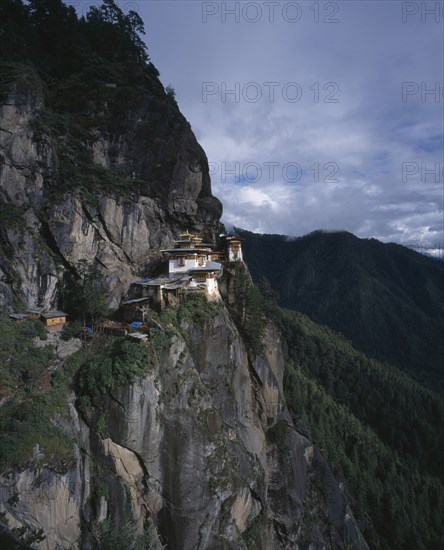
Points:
(201, 446)
(196, 448)
(109, 175)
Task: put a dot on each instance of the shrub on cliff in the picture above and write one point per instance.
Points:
(117, 363)
(198, 310)
(87, 296)
(22, 364)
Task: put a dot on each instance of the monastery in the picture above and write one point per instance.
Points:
(193, 267)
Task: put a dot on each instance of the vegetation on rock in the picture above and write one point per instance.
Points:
(197, 310)
(22, 364)
(33, 399)
(109, 537)
(87, 296)
(117, 363)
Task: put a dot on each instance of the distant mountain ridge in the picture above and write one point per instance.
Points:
(387, 299)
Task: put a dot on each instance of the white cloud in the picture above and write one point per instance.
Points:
(369, 133)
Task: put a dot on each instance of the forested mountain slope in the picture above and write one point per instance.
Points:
(387, 299)
(382, 432)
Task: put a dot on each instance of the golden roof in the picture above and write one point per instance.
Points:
(189, 236)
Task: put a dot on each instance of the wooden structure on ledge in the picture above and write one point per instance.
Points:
(54, 321)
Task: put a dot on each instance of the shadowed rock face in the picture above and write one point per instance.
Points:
(204, 447)
(147, 146)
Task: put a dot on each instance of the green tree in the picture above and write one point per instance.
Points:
(13, 18)
(87, 299)
(52, 33)
(267, 291)
(108, 536)
(171, 93)
(116, 35)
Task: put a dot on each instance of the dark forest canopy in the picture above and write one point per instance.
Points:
(380, 431)
(49, 35)
(387, 299)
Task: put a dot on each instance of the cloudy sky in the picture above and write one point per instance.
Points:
(312, 114)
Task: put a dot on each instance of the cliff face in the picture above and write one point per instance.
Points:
(112, 179)
(202, 446)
